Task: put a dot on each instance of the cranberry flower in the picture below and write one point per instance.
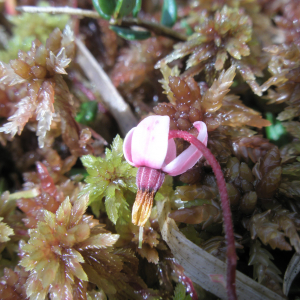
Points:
(149, 148)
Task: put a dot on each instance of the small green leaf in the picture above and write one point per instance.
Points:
(124, 8)
(184, 24)
(169, 13)
(137, 8)
(96, 207)
(111, 204)
(275, 132)
(180, 291)
(129, 34)
(90, 161)
(117, 147)
(105, 8)
(87, 113)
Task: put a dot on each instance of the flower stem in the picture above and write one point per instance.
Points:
(228, 226)
(10, 7)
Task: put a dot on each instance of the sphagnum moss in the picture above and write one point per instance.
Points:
(108, 178)
(251, 38)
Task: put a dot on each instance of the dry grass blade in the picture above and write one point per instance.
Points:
(199, 264)
(111, 97)
(291, 272)
(59, 10)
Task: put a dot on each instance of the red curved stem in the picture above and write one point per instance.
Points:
(228, 226)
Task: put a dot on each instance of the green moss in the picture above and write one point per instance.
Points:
(109, 178)
(28, 27)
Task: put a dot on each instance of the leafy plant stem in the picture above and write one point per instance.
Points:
(228, 226)
(156, 28)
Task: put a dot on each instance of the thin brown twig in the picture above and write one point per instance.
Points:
(156, 28)
(109, 94)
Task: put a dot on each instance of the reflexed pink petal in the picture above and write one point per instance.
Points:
(201, 127)
(127, 146)
(150, 142)
(188, 157)
(171, 153)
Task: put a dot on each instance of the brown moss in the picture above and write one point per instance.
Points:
(274, 225)
(78, 260)
(12, 284)
(109, 40)
(268, 174)
(214, 107)
(136, 63)
(216, 246)
(40, 71)
(264, 270)
(197, 214)
(222, 38)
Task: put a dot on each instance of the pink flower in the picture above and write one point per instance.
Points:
(149, 148)
(148, 145)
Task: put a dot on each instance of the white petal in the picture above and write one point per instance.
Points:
(150, 142)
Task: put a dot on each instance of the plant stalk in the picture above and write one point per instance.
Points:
(228, 226)
(156, 28)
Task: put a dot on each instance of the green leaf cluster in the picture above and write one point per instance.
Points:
(117, 8)
(109, 178)
(28, 28)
